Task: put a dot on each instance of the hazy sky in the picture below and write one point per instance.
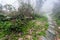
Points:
(47, 6)
(13, 2)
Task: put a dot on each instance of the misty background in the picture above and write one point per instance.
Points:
(46, 6)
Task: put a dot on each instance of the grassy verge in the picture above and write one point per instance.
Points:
(20, 28)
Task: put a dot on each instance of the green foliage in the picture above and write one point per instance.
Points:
(35, 38)
(42, 33)
(2, 17)
(39, 17)
(58, 22)
(42, 19)
(2, 34)
(57, 18)
(14, 36)
(7, 27)
(46, 25)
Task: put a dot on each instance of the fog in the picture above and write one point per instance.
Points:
(46, 6)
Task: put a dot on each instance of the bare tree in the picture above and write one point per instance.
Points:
(1, 7)
(26, 10)
(9, 7)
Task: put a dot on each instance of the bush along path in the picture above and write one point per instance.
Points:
(23, 29)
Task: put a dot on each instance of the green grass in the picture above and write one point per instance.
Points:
(35, 38)
(41, 19)
(42, 33)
